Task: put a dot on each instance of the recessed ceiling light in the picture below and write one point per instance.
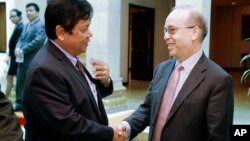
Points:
(233, 3)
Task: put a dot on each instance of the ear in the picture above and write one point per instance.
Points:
(60, 32)
(196, 32)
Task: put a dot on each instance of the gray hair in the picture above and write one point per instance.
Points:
(195, 17)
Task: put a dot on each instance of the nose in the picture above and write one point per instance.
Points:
(90, 34)
(166, 35)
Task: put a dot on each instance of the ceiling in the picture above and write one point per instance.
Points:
(230, 2)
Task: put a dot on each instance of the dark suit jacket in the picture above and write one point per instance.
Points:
(14, 38)
(10, 129)
(31, 40)
(58, 102)
(202, 111)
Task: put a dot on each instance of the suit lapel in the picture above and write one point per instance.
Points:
(28, 27)
(70, 67)
(161, 85)
(194, 79)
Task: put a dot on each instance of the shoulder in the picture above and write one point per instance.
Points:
(215, 71)
(165, 64)
(39, 22)
(214, 67)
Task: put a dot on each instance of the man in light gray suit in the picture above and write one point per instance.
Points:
(201, 108)
(31, 40)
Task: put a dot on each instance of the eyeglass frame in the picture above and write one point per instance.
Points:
(13, 16)
(172, 31)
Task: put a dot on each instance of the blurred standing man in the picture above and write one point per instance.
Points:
(31, 40)
(199, 107)
(16, 18)
(62, 102)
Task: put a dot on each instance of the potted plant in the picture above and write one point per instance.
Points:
(246, 73)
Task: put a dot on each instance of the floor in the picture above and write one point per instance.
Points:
(136, 91)
(241, 99)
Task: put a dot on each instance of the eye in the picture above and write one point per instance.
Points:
(171, 30)
(85, 30)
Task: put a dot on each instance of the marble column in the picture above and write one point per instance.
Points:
(105, 43)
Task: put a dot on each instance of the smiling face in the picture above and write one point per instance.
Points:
(180, 35)
(77, 41)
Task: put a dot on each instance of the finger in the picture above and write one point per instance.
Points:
(96, 62)
(121, 128)
(101, 67)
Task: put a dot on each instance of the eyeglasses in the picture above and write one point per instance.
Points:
(172, 31)
(13, 16)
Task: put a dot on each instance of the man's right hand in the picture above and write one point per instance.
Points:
(17, 51)
(119, 133)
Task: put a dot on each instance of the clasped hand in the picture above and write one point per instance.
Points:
(119, 133)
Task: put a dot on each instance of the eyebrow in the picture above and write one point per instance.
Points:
(169, 26)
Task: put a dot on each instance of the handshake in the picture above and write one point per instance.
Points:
(119, 132)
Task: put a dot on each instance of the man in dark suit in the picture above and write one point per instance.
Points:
(16, 18)
(62, 102)
(10, 129)
(31, 40)
(202, 104)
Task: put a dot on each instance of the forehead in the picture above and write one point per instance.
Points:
(82, 23)
(177, 18)
(13, 13)
(31, 8)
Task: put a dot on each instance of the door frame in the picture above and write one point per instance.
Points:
(137, 8)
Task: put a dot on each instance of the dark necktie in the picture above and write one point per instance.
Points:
(166, 103)
(92, 86)
(80, 68)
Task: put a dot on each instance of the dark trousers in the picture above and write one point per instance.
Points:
(20, 78)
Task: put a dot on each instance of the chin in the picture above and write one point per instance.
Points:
(84, 50)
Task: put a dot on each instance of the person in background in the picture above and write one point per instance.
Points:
(10, 129)
(16, 18)
(190, 97)
(62, 101)
(31, 40)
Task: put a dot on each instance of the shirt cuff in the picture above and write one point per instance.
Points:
(128, 129)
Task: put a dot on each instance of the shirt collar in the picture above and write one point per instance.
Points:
(36, 19)
(71, 58)
(190, 62)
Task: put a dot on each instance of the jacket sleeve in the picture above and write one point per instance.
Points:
(10, 129)
(220, 110)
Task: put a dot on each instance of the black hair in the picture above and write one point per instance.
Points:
(18, 12)
(65, 13)
(34, 5)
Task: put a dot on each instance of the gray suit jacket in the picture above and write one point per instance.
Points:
(58, 102)
(31, 40)
(202, 111)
